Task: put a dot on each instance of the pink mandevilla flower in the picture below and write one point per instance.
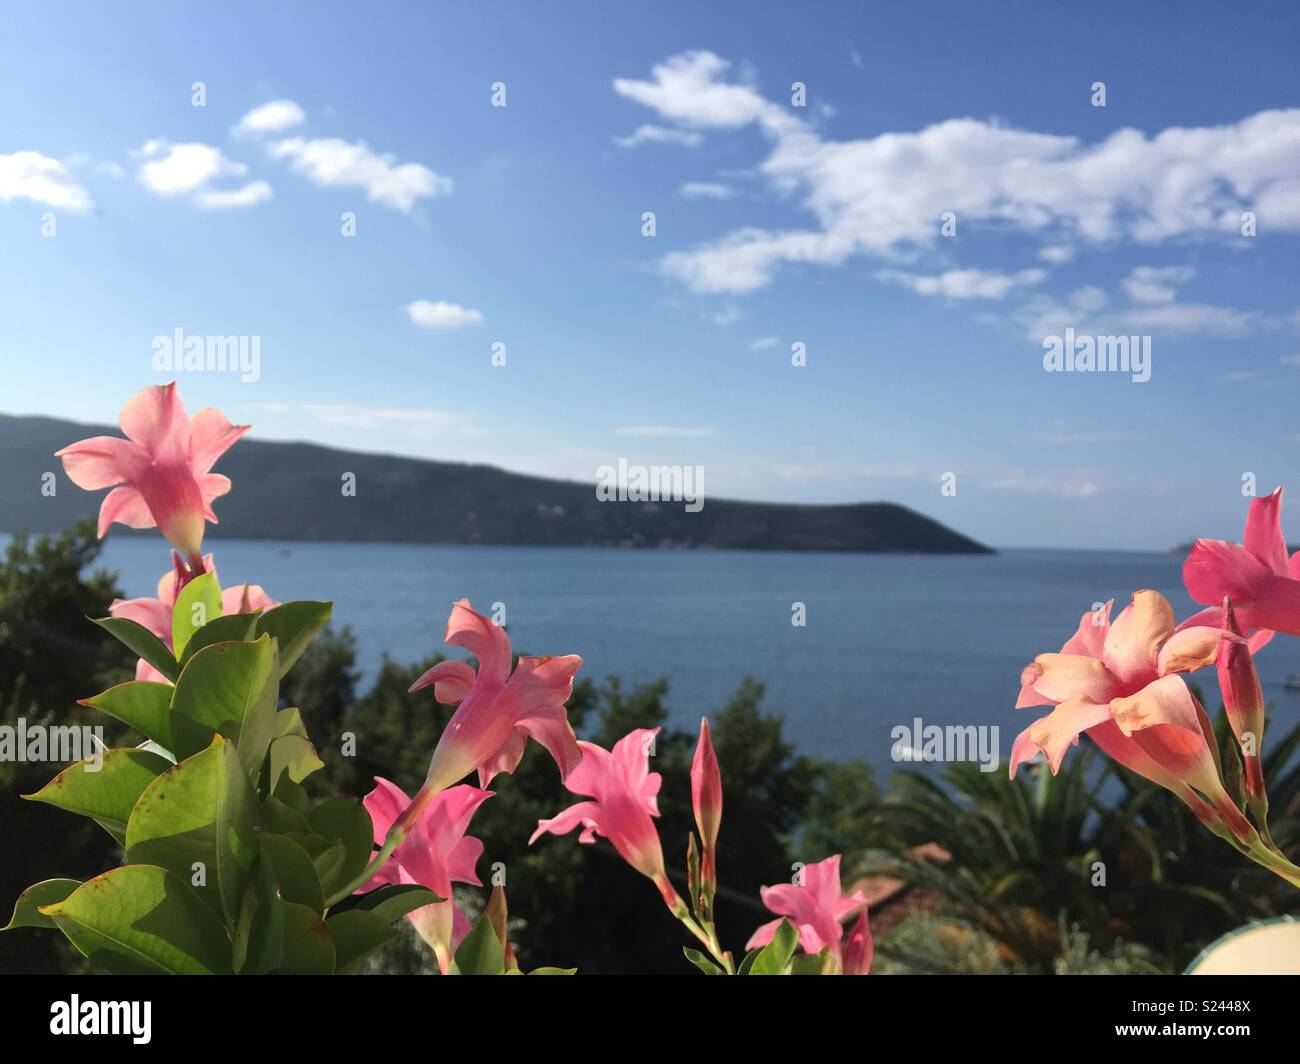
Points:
(1259, 578)
(498, 711)
(1116, 682)
(624, 801)
(155, 614)
(161, 473)
(436, 853)
(818, 907)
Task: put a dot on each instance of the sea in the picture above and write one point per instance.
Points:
(848, 646)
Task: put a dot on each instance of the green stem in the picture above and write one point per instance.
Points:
(395, 837)
(709, 939)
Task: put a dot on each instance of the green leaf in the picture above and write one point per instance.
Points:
(140, 919)
(230, 689)
(356, 934)
(308, 945)
(283, 819)
(237, 628)
(702, 962)
(199, 819)
(392, 902)
(198, 603)
(294, 625)
(145, 706)
(344, 820)
(142, 642)
(809, 963)
(481, 953)
(292, 869)
(328, 856)
(553, 971)
(294, 755)
(46, 892)
(773, 958)
(107, 794)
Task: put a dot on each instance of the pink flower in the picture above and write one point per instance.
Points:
(162, 469)
(436, 853)
(706, 800)
(1117, 683)
(1243, 702)
(498, 711)
(1263, 583)
(624, 799)
(859, 948)
(155, 614)
(818, 907)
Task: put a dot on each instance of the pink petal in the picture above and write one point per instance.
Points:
(152, 614)
(102, 461)
(1090, 638)
(1189, 649)
(859, 948)
(566, 820)
(211, 435)
(384, 804)
(1138, 632)
(1215, 570)
(1055, 733)
(212, 486)
(763, 935)
(155, 418)
(1072, 676)
(484, 639)
(451, 681)
(126, 506)
(506, 759)
(550, 728)
(462, 862)
(245, 598)
(1263, 535)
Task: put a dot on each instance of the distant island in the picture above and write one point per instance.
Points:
(292, 491)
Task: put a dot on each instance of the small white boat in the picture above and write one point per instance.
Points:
(1292, 682)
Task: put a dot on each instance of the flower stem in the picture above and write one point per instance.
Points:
(395, 837)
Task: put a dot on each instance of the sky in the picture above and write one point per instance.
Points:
(908, 199)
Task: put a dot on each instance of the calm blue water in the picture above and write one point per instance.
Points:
(888, 637)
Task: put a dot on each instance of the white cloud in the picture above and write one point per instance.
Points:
(675, 432)
(1290, 360)
(1156, 284)
(705, 190)
(439, 315)
(42, 179)
(190, 170)
(1056, 254)
(883, 195)
(248, 195)
(660, 135)
(270, 118)
(339, 163)
(964, 284)
(764, 343)
(1087, 312)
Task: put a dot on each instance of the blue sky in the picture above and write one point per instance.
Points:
(775, 224)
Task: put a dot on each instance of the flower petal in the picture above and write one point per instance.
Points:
(1263, 535)
(102, 461)
(1190, 649)
(581, 813)
(483, 638)
(1072, 676)
(211, 436)
(451, 681)
(1055, 733)
(1136, 635)
(155, 418)
(126, 506)
(1163, 701)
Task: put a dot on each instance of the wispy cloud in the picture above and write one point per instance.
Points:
(659, 135)
(764, 343)
(964, 284)
(270, 117)
(193, 170)
(440, 315)
(41, 179)
(706, 190)
(883, 195)
(1156, 284)
(336, 163)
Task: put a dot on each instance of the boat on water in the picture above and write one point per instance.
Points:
(1292, 682)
